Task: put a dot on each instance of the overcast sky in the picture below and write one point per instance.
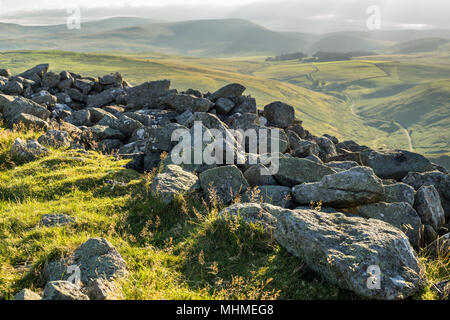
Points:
(288, 15)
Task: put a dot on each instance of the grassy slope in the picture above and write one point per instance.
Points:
(318, 110)
(411, 90)
(180, 251)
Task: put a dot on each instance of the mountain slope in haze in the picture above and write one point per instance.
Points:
(198, 38)
(222, 37)
(418, 46)
(343, 42)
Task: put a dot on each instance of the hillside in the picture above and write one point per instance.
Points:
(416, 46)
(425, 111)
(90, 185)
(319, 111)
(199, 38)
(205, 38)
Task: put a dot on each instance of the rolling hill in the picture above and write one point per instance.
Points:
(205, 38)
(420, 45)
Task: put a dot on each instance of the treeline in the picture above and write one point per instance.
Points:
(288, 56)
(321, 56)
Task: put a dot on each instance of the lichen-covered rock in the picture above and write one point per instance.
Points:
(399, 214)
(28, 121)
(147, 95)
(103, 98)
(27, 294)
(23, 105)
(345, 189)
(440, 247)
(327, 149)
(259, 175)
(224, 105)
(250, 213)
(222, 184)
(293, 171)
(395, 164)
(343, 249)
(55, 139)
(232, 90)
(185, 102)
(126, 125)
(399, 192)
(96, 258)
(101, 289)
(428, 206)
(44, 98)
(26, 151)
(276, 195)
(63, 290)
(439, 180)
(51, 220)
(171, 181)
(342, 165)
(279, 114)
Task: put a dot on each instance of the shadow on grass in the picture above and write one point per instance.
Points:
(240, 261)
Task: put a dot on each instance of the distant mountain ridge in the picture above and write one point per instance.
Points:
(223, 37)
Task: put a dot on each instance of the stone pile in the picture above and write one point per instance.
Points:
(380, 207)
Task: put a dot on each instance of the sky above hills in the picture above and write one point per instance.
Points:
(318, 16)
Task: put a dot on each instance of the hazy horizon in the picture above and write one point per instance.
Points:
(321, 16)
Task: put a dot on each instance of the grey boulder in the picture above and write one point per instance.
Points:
(395, 164)
(428, 206)
(294, 171)
(344, 250)
(26, 151)
(171, 182)
(63, 290)
(399, 192)
(399, 214)
(345, 189)
(439, 180)
(222, 184)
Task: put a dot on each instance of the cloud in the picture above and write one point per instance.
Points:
(317, 16)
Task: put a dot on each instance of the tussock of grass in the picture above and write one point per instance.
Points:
(177, 251)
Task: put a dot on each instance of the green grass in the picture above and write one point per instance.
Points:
(179, 251)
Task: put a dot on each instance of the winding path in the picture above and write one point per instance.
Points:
(352, 111)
